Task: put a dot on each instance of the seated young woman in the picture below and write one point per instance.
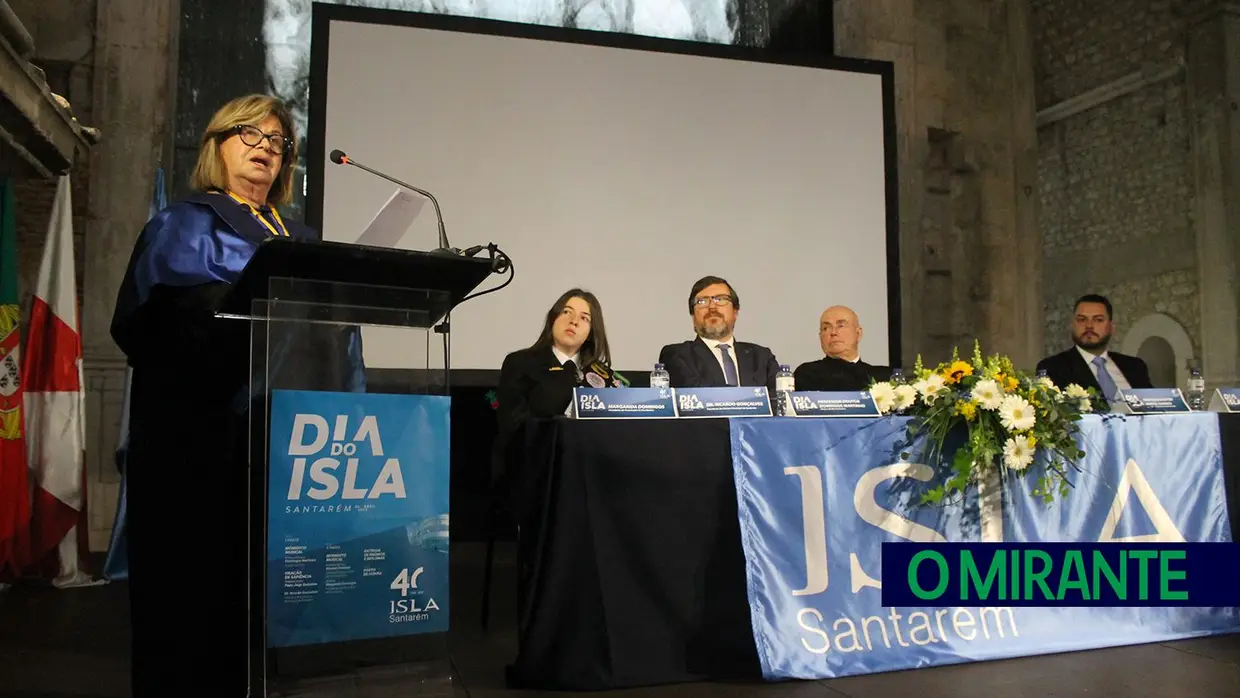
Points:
(570, 351)
(538, 381)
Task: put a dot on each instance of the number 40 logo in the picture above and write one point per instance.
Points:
(406, 580)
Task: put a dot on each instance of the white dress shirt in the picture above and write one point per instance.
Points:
(713, 345)
(1121, 383)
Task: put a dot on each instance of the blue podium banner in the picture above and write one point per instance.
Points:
(1155, 400)
(851, 403)
(357, 540)
(723, 402)
(819, 498)
(623, 403)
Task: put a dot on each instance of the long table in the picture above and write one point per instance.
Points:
(634, 563)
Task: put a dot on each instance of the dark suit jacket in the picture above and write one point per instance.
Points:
(533, 385)
(692, 364)
(837, 374)
(1068, 367)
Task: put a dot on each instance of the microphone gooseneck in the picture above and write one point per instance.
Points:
(338, 157)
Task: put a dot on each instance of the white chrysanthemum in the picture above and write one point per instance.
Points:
(905, 396)
(1046, 382)
(1017, 414)
(1076, 392)
(986, 393)
(930, 386)
(1017, 453)
(884, 396)
(1086, 405)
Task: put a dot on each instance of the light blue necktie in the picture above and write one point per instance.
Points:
(1109, 389)
(729, 366)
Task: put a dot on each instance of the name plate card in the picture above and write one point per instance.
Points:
(1225, 400)
(845, 403)
(723, 402)
(623, 403)
(1155, 401)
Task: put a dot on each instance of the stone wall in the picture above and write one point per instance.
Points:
(970, 252)
(1115, 168)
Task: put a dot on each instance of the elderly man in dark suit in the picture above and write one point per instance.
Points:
(841, 367)
(1088, 363)
(714, 358)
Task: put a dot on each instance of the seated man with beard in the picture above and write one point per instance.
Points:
(714, 358)
(1088, 363)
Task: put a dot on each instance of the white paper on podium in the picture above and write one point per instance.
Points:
(392, 222)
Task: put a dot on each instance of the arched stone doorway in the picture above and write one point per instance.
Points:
(1164, 345)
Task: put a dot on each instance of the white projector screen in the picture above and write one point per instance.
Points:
(630, 173)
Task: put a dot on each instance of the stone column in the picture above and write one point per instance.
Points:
(132, 107)
(887, 30)
(970, 248)
(1213, 74)
(1023, 337)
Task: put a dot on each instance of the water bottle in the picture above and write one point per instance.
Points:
(897, 375)
(1196, 390)
(659, 377)
(784, 385)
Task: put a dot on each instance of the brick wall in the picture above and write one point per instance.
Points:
(1115, 179)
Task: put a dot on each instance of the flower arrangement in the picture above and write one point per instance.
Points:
(1010, 417)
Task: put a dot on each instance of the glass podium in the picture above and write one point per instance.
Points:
(348, 487)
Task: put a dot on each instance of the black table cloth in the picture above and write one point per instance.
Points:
(634, 554)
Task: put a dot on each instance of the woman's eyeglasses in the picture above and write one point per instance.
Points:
(252, 136)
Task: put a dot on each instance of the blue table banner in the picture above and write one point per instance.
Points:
(1225, 400)
(818, 499)
(1155, 400)
(723, 402)
(623, 403)
(850, 403)
(357, 540)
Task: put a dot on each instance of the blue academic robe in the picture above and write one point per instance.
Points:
(186, 468)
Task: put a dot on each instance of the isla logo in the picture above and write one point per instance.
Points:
(592, 403)
(312, 437)
(690, 402)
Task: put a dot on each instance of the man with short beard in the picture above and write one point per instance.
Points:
(1088, 363)
(715, 358)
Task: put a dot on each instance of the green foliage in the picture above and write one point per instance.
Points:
(1008, 419)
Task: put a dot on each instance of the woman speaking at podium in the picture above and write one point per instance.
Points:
(187, 461)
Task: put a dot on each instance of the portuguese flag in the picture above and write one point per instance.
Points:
(14, 485)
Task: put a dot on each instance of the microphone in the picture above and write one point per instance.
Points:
(338, 157)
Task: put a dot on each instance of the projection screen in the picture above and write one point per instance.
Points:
(630, 172)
